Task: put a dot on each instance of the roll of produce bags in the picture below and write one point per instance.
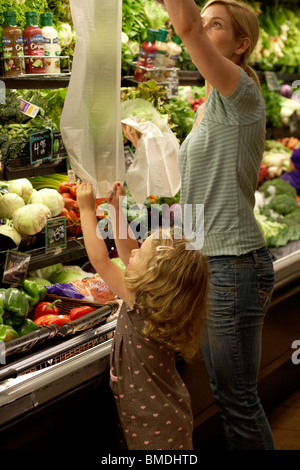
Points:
(90, 122)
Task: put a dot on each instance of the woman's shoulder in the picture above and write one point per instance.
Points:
(246, 101)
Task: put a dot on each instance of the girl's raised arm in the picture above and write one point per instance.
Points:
(96, 247)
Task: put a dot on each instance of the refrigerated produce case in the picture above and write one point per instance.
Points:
(62, 385)
(58, 382)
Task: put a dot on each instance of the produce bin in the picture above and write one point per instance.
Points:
(61, 374)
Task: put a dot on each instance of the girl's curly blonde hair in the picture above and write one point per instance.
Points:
(172, 289)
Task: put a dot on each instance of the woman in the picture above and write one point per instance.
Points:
(220, 161)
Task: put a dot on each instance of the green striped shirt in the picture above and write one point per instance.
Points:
(220, 163)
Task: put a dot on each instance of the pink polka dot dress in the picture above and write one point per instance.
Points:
(153, 403)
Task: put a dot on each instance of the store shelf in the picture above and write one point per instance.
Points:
(38, 82)
(46, 168)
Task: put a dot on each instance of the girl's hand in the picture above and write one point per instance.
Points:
(85, 196)
(116, 191)
(131, 134)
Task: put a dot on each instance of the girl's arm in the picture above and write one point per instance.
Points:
(95, 245)
(219, 71)
(124, 236)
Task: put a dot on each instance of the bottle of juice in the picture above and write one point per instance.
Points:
(173, 52)
(33, 44)
(12, 45)
(146, 57)
(51, 46)
(161, 44)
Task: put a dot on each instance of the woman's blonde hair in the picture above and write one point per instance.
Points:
(245, 24)
(172, 290)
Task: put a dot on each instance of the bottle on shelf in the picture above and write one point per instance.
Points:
(51, 45)
(146, 57)
(161, 44)
(12, 45)
(33, 44)
(173, 52)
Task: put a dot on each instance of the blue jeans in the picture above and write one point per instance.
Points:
(241, 290)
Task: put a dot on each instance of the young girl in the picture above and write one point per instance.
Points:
(164, 286)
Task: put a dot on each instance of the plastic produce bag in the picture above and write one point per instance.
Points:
(155, 168)
(91, 289)
(90, 122)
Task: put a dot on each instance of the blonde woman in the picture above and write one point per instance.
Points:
(165, 287)
(220, 162)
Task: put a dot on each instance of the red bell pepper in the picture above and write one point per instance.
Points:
(79, 312)
(50, 319)
(46, 308)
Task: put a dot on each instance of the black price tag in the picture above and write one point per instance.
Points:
(272, 81)
(59, 149)
(16, 266)
(56, 235)
(41, 146)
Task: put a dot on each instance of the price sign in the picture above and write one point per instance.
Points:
(16, 266)
(293, 122)
(56, 235)
(272, 81)
(41, 146)
(172, 84)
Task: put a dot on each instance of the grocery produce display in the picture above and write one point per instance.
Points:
(58, 307)
(149, 47)
(47, 25)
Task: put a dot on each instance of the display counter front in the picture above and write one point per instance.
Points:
(66, 385)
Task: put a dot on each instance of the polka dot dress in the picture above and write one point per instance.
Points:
(153, 402)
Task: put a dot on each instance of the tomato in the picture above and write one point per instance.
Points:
(73, 191)
(71, 204)
(64, 187)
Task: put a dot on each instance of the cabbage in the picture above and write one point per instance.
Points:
(31, 218)
(69, 274)
(35, 198)
(40, 281)
(52, 199)
(22, 187)
(46, 273)
(65, 34)
(142, 111)
(9, 202)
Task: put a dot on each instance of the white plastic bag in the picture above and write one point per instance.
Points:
(90, 122)
(155, 168)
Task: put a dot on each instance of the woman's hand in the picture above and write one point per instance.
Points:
(85, 196)
(116, 191)
(131, 134)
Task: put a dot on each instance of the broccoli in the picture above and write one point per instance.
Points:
(10, 111)
(283, 204)
(278, 186)
(292, 221)
(275, 233)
